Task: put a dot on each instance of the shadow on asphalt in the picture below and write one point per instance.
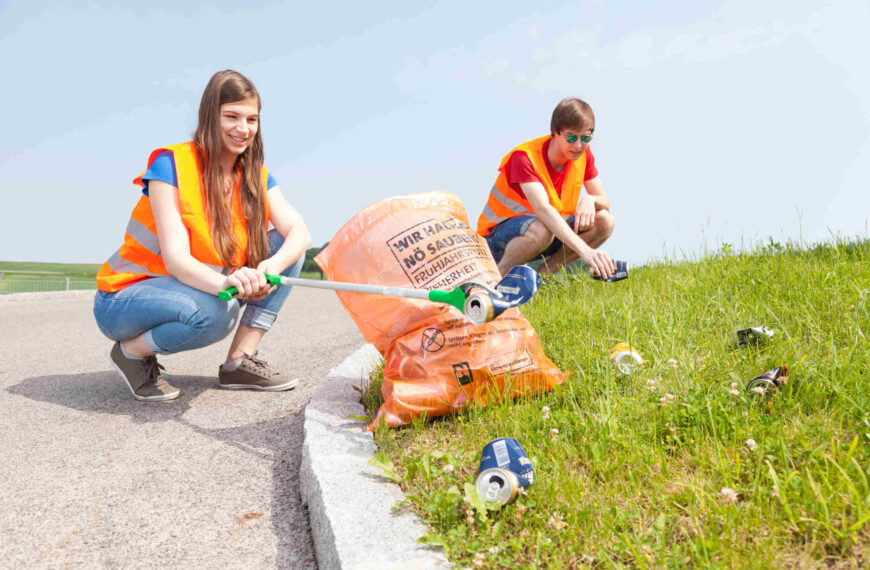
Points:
(277, 439)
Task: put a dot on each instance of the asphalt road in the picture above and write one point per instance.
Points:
(90, 477)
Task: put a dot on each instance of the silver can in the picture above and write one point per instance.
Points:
(497, 485)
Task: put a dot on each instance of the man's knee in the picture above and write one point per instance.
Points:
(605, 223)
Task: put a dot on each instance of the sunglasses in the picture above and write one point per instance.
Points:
(573, 138)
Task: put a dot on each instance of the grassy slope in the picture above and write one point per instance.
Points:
(634, 477)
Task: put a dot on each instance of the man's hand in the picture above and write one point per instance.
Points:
(584, 216)
(599, 261)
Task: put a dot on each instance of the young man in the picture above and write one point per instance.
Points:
(534, 208)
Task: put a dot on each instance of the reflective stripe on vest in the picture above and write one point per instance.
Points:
(504, 203)
(139, 256)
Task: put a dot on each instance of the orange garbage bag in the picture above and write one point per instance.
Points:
(436, 361)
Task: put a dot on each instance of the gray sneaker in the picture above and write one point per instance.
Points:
(143, 376)
(255, 374)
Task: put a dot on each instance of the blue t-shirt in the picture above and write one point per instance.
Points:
(163, 169)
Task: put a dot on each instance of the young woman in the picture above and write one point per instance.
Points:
(201, 226)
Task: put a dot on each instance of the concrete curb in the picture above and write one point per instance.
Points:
(353, 525)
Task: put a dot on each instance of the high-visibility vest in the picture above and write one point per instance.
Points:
(505, 203)
(139, 256)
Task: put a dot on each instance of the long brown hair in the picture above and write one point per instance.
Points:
(230, 87)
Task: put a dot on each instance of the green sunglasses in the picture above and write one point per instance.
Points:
(573, 138)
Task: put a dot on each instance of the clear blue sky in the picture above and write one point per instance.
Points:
(731, 121)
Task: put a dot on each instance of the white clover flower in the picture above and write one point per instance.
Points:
(554, 431)
(734, 392)
(672, 363)
(556, 521)
(545, 412)
(728, 495)
(586, 559)
(734, 385)
(666, 399)
(448, 468)
(493, 549)
(759, 391)
(751, 445)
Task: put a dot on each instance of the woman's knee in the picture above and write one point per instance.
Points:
(213, 322)
(276, 240)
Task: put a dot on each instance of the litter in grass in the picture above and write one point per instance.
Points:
(752, 335)
(625, 359)
(768, 382)
(505, 470)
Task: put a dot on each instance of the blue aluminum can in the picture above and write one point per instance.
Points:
(618, 275)
(507, 453)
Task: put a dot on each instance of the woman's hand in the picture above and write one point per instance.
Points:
(251, 283)
(270, 266)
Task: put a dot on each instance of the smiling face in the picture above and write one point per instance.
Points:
(239, 122)
(562, 150)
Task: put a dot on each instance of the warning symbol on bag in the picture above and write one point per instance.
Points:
(463, 373)
(433, 340)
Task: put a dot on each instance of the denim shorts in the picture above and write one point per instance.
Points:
(502, 234)
(176, 317)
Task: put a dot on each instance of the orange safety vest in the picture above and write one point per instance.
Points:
(504, 203)
(139, 256)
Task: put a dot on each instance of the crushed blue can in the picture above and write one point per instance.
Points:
(618, 275)
(507, 453)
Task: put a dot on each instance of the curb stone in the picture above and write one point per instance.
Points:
(350, 506)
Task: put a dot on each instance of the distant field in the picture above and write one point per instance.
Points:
(28, 276)
(32, 270)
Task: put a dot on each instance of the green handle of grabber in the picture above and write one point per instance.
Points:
(455, 298)
(229, 293)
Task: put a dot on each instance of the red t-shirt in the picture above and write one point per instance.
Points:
(519, 170)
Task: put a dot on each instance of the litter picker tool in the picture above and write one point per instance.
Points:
(479, 302)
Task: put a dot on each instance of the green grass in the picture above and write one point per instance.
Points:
(635, 478)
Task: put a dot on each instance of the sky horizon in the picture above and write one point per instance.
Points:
(716, 121)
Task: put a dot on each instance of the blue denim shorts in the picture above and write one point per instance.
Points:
(502, 234)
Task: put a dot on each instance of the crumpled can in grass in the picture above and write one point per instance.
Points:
(752, 335)
(768, 382)
(625, 359)
(436, 362)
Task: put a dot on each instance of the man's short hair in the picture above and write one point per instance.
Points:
(572, 113)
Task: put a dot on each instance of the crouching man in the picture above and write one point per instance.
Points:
(535, 208)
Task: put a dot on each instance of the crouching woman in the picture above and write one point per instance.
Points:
(201, 226)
